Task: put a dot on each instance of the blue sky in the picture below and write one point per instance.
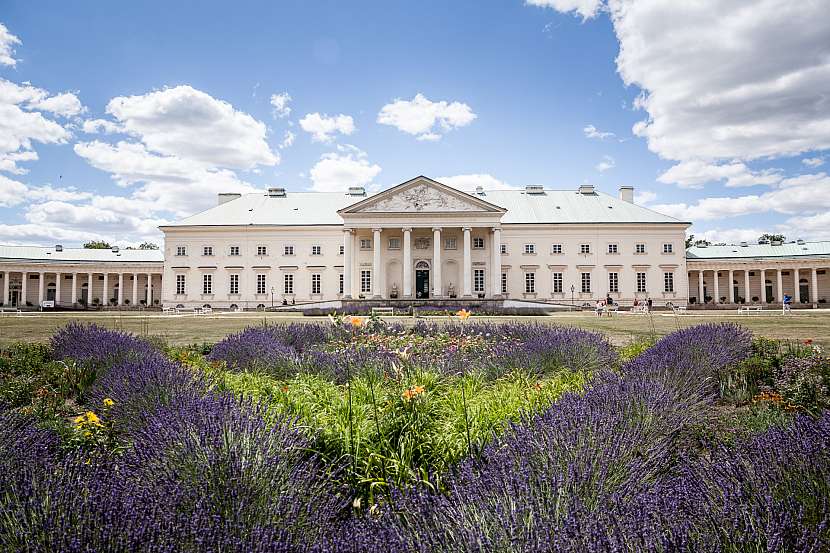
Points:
(119, 118)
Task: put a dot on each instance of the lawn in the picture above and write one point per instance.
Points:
(461, 435)
(620, 329)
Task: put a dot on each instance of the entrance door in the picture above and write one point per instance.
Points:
(804, 291)
(14, 298)
(422, 283)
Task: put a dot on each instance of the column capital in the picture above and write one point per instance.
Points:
(436, 229)
(467, 229)
(377, 229)
(406, 229)
(348, 230)
(496, 229)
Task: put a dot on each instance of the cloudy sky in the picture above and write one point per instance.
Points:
(115, 119)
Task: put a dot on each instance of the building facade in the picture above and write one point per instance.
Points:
(418, 241)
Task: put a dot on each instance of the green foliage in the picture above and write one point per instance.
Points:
(403, 429)
(97, 245)
(635, 347)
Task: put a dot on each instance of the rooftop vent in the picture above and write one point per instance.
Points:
(776, 242)
(115, 249)
(702, 245)
(276, 192)
(763, 241)
(480, 190)
(627, 194)
(357, 191)
(800, 242)
(586, 189)
(534, 189)
(58, 248)
(225, 197)
(744, 244)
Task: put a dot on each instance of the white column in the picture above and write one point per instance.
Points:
(7, 276)
(347, 263)
(57, 289)
(731, 287)
(468, 269)
(796, 295)
(495, 276)
(814, 285)
(747, 293)
(120, 288)
(24, 281)
(716, 296)
(763, 295)
(40, 285)
(436, 262)
(74, 289)
(376, 280)
(135, 289)
(779, 295)
(701, 297)
(149, 290)
(106, 294)
(89, 290)
(407, 262)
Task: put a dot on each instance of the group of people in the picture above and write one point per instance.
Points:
(603, 307)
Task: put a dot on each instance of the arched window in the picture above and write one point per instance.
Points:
(422, 265)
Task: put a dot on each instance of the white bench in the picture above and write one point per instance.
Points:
(383, 311)
(169, 310)
(749, 308)
(16, 310)
(678, 309)
(639, 309)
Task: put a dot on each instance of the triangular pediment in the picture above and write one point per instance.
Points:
(422, 195)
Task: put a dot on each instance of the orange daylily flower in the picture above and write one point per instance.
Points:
(410, 393)
(356, 322)
(463, 314)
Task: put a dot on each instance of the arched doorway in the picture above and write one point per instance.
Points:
(50, 291)
(803, 291)
(422, 279)
(84, 294)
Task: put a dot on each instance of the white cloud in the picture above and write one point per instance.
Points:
(585, 8)
(280, 103)
(606, 164)
(338, 171)
(425, 119)
(728, 236)
(8, 162)
(708, 209)
(7, 44)
(469, 182)
(12, 192)
(190, 124)
(323, 128)
(95, 126)
(591, 131)
(643, 197)
(816, 227)
(813, 161)
(287, 139)
(694, 173)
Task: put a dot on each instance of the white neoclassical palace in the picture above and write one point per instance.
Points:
(419, 241)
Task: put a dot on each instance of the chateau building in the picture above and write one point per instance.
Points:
(417, 241)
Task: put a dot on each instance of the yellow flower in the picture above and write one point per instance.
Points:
(108, 402)
(463, 314)
(88, 418)
(356, 322)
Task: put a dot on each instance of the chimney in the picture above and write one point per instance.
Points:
(58, 248)
(225, 197)
(586, 189)
(115, 249)
(480, 190)
(276, 192)
(357, 191)
(535, 189)
(627, 194)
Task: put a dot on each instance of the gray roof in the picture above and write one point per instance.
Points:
(39, 253)
(320, 208)
(757, 251)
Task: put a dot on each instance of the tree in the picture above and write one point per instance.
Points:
(97, 245)
(771, 238)
(148, 246)
(690, 241)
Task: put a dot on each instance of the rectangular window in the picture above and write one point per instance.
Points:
(613, 282)
(504, 283)
(180, 280)
(207, 250)
(234, 250)
(207, 284)
(365, 243)
(394, 244)
(261, 284)
(365, 282)
(315, 283)
(422, 243)
(288, 283)
(340, 284)
(668, 282)
(556, 248)
(234, 284)
(262, 250)
(586, 283)
(341, 250)
(668, 248)
(640, 248)
(612, 248)
(450, 244)
(641, 282)
(504, 248)
(584, 248)
(181, 250)
(288, 250)
(530, 248)
(557, 283)
(530, 283)
(316, 250)
(478, 280)
(478, 243)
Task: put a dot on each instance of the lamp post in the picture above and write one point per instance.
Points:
(272, 297)
(572, 297)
